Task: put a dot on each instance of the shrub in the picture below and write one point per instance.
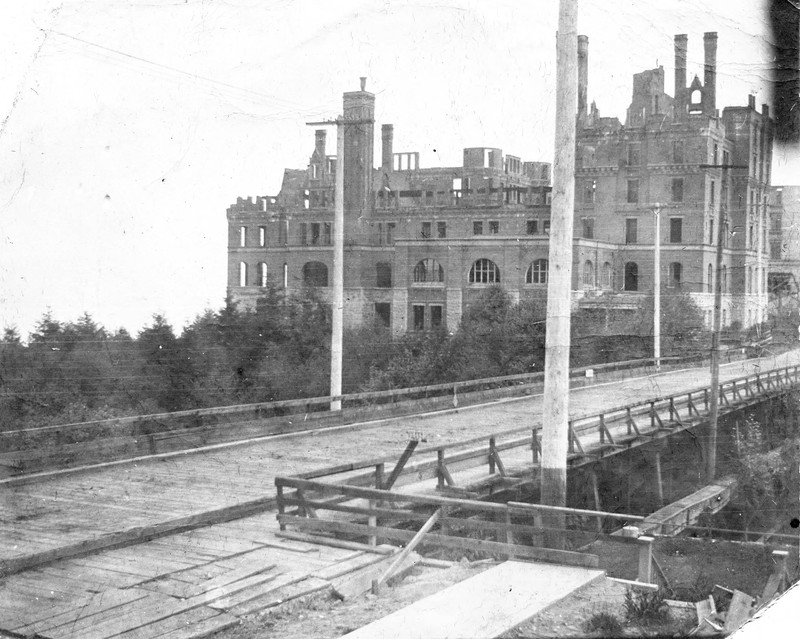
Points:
(645, 607)
(604, 623)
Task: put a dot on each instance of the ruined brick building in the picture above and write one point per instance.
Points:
(421, 243)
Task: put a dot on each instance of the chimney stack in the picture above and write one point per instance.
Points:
(710, 75)
(681, 45)
(751, 101)
(319, 142)
(583, 75)
(387, 141)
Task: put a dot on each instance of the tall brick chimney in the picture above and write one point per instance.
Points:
(681, 46)
(319, 142)
(359, 141)
(710, 74)
(583, 75)
(387, 142)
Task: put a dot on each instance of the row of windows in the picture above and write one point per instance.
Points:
(632, 230)
(634, 156)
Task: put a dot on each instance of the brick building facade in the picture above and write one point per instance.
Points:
(421, 243)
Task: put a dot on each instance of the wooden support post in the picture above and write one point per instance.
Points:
(659, 484)
(597, 504)
(403, 554)
(439, 468)
(645, 560)
(509, 533)
(491, 456)
(372, 522)
(536, 448)
(401, 464)
(281, 505)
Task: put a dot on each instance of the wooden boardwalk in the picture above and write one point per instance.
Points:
(196, 582)
(114, 504)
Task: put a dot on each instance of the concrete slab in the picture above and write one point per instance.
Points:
(485, 605)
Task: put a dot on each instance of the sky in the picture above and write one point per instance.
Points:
(128, 128)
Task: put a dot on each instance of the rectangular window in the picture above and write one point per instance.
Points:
(633, 191)
(283, 232)
(677, 189)
(712, 195)
(302, 233)
(477, 228)
(633, 154)
(419, 317)
(588, 228)
(436, 316)
(677, 152)
(675, 230)
(716, 154)
(383, 313)
(631, 231)
(243, 236)
(675, 274)
(531, 227)
(494, 228)
(711, 232)
(315, 233)
(425, 232)
(546, 227)
(390, 233)
(589, 190)
(726, 158)
(326, 233)
(262, 235)
(306, 201)
(441, 230)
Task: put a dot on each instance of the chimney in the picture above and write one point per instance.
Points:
(710, 75)
(387, 139)
(319, 143)
(681, 45)
(751, 101)
(583, 75)
(765, 110)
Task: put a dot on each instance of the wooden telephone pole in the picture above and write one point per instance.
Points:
(555, 417)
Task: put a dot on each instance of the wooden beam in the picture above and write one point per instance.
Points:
(410, 448)
(403, 554)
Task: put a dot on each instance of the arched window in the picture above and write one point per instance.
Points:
(428, 270)
(697, 96)
(484, 271)
(588, 273)
(537, 272)
(710, 279)
(262, 274)
(675, 274)
(242, 274)
(608, 275)
(631, 276)
(285, 275)
(383, 275)
(315, 274)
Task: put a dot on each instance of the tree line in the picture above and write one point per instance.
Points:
(79, 371)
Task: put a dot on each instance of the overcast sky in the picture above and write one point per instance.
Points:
(128, 128)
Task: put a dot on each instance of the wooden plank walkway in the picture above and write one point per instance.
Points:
(70, 513)
(485, 605)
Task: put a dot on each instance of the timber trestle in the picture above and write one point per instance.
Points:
(459, 484)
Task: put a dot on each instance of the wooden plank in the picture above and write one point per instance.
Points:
(738, 611)
(192, 623)
(336, 543)
(408, 549)
(230, 602)
(360, 581)
(282, 595)
(543, 554)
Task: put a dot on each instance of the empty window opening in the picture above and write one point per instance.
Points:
(631, 276)
(383, 313)
(608, 275)
(677, 152)
(262, 274)
(631, 230)
(419, 317)
(588, 228)
(428, 270)
(262, 235)
(315, 236)
(676, 230)
(425, 232)
(441, 230)
(383, 275)
(710, 279)
(589, 191)
(242, 274)
(484, 271)
(326, 233)
(633, 192)
(315, 274)
(531, 227)
(285, 275)
(436, 316)
(477, 228)
(242, 236)
(675, 274)
(494, 228)
(588, 273)
(546, 227)
(677, 189)
(537, 272)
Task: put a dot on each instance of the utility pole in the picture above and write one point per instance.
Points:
(337, 302)
(713, 413)
(555, 416)
(656, 208)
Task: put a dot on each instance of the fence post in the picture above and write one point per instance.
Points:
(491, 456)
(645, 560)
(281, 505)
(455, 396)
